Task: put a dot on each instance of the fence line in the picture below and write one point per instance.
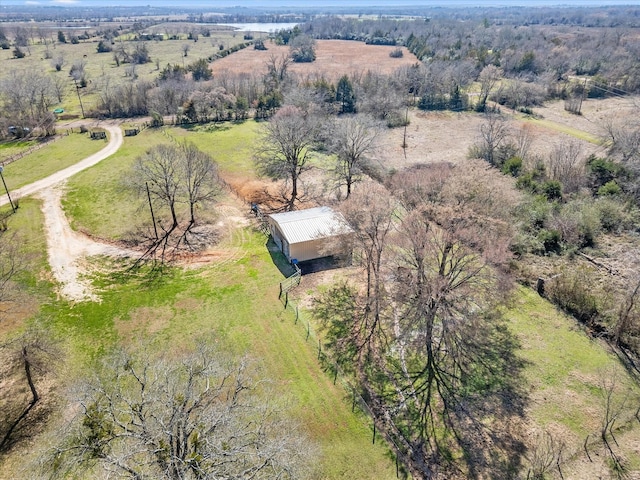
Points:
(338, 373)
(30, 150)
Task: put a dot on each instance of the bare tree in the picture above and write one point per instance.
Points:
(614, 403)
(353, 139)
(494, 135)
(287, 145)
(169, 175)
(488, 79)
(60, 87)
(28, 96)
(545, 453)
(201, 182)
(523, 141)
(446, 253)
(35, 353)
(276, 70)
(58, 62)
(198, 416)
(370, 212)
(567, 165)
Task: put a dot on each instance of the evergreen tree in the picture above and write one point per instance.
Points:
(345, 96)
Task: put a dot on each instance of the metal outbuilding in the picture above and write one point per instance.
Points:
(310, 234)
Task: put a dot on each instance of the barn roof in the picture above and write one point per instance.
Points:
(310, 224)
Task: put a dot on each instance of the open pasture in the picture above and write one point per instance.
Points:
(334, 58)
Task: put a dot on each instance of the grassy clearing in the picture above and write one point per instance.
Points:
(57, 155)
(99, 203)
(564, 369)
(32, 286)
(558, 127)
(236, 303)
(230, 144)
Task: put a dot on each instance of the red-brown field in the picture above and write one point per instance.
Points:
(334, 58)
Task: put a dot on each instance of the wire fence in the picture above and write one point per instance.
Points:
(29, 150)
(302, 318)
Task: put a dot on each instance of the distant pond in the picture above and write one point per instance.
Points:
(259, 27)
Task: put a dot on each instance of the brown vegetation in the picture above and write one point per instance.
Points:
(334, 58)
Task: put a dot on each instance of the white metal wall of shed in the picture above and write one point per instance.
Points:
(309, 250)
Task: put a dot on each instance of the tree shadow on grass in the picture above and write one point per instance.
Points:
(489, 415)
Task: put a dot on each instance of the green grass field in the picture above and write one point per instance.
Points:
(565, 370)
(98, 201)
(236, 304)
(59, 154)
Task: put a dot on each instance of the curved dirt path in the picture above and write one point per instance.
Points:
(115, 142)
(66, 248)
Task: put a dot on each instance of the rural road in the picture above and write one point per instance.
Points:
(66, 248)
(115, 141)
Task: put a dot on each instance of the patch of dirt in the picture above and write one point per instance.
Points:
(67, 249)
(334, 58)
(144, 321)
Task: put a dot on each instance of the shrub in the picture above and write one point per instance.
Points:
(609, 188)
(396, 53)
(552, 190)
(614, 215)
(534, 213)
(571, 292)
(551, 241)
(527, 183)
(103, 47)
(578, 222)
(512, 167)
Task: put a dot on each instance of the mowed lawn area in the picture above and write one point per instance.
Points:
(233, 302)
(57, 155)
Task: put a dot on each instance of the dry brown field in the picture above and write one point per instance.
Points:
(447, 136)
(334, 58)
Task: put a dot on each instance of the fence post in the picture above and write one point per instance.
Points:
(335, 374)
(297, 314)
(319, 349)
(286, 300)
(374, 432)
(280, 295)
(308, 330)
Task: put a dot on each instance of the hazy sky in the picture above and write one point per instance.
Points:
(211, 4)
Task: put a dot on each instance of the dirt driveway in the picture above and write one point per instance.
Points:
(67, 249)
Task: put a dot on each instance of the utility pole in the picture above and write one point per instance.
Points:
(6, 189)
(79, 99)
